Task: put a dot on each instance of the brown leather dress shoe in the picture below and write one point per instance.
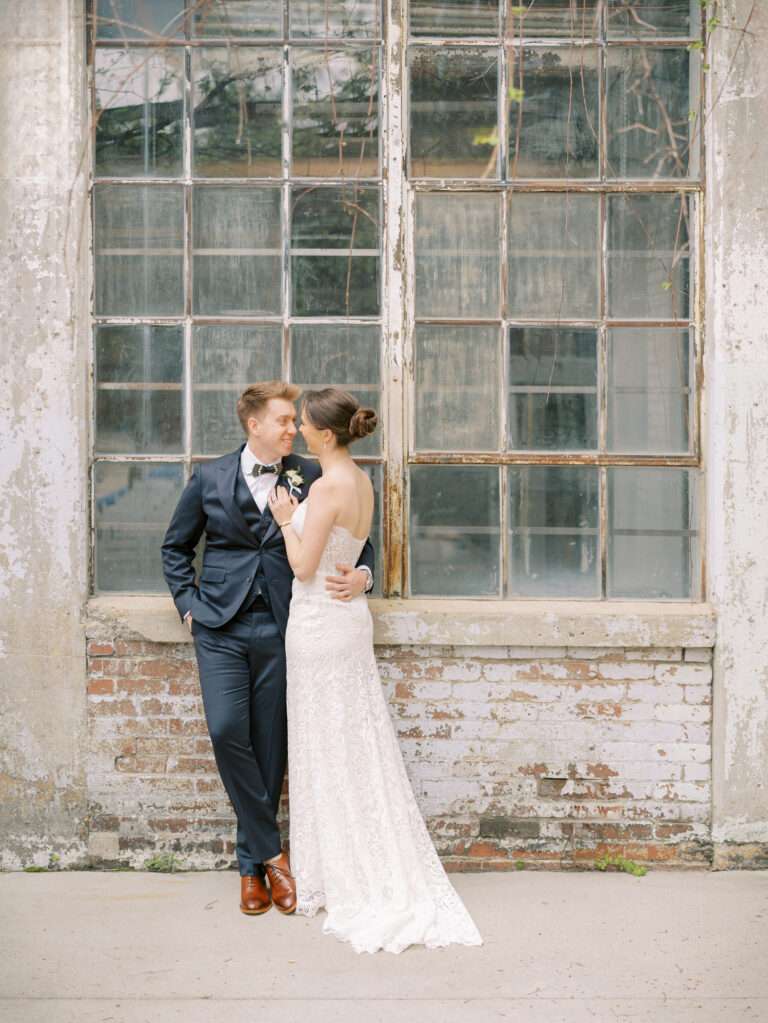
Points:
(254, 896)
(282, 883)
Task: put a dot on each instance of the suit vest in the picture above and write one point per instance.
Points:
(258, 524)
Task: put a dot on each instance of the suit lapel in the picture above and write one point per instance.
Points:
(226, 482)
(289, 463)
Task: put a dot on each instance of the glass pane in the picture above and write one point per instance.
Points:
(237, 19)
(649, 394)
(133, 505)
(648, 257)
(554, 123)
(454, 530)
(579, 19)
(237, 255)
(225, 360)
(454, 113)
(554, 264)
(552, 389)
(139, 250)
(139, 103)
(139, 19)
(653, 540)
(454, 17)
(457, 373)
(335, 113)
(138, 389)
(321, 19)
(138, 354)
(643, 19)
(335, 251)
(237, 117)
(553, 531)
(649, 119)
(337, 355)
(457, 255)
(376, 476)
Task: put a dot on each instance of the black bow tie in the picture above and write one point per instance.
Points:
(259, 470)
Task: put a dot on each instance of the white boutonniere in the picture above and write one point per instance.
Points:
(295, 481)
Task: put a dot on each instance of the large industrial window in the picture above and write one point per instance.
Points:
(481, 218)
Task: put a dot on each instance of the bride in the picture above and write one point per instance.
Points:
(359, 846)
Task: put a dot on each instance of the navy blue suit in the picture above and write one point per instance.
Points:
(240, 649)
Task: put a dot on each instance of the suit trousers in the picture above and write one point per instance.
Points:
(242, 678)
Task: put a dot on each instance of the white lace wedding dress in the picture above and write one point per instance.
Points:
(359, 846)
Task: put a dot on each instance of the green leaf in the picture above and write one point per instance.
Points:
(516, 95)
(486, 137)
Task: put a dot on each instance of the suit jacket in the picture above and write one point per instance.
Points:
(233, 552)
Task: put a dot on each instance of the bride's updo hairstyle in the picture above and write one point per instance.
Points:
(339, 411)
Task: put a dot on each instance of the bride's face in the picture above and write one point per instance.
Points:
(313, 437)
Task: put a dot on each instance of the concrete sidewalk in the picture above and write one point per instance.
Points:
(559, 948)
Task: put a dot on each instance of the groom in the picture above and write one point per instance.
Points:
(237, 612)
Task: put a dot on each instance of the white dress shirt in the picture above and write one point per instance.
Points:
(259, 486)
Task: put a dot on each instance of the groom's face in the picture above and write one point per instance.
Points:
(274, 430)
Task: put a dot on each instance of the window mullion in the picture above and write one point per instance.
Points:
(394, 315)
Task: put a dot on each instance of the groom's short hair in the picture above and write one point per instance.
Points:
(254, 398)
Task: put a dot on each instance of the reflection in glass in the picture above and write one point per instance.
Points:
(138, 375)
(454, 530)
(139, 19)
(648, 257)
(553, 531)
(553, 113)
(225, 360)
(454, 113)
(236, 250)
(139, 250)
(133, 504)
(237, 115)
(649, 393)
(139, 107)
(649, 113)
(335, 251)
(579, 19)
(339, 19)
(340, 355)
(553, 256)
(643, 19)
(454, 17)
(457, 255)
(236, 19)
(552, 389)
(653, 539)
(456, 388)
(335, 112)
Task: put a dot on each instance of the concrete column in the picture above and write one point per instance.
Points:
(43, 429)
(736, 245)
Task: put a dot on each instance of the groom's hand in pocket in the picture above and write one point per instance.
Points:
(349, 583)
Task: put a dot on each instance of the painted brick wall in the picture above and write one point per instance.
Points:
(552, 756)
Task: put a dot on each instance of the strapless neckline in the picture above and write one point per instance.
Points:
(336, 525)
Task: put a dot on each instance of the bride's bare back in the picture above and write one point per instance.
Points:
(354, 494)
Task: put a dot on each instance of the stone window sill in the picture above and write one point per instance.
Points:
(470, 623)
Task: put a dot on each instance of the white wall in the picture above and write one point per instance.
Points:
(736, 240)
(43, 434)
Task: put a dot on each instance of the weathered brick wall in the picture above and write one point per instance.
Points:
(552, 756)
